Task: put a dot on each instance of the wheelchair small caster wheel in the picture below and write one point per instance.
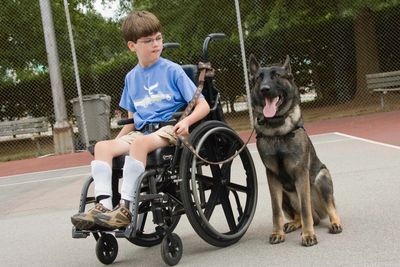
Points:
(107, 248)
(171, 249)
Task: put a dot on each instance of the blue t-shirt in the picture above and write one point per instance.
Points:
(154, 93)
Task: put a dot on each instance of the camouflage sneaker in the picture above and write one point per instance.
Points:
(85, 221)
(120, 217)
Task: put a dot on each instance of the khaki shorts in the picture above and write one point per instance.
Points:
(166, 132)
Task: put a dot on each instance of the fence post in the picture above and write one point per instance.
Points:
(62, 130)
(76, 70)
(244, 62)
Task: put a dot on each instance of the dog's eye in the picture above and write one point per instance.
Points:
(274, 74)
(260, 75)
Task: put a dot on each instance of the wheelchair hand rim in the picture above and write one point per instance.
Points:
(196, 196)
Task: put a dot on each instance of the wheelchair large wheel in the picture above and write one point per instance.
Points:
(219, 200)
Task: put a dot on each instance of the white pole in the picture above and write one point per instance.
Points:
(244, 62)
(78, 81)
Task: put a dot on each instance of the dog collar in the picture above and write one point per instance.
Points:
(290, 134)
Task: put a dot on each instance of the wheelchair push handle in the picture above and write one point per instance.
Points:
(209, 38)
(171, 45)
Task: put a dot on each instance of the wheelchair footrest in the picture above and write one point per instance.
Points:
(79, 233)
(120, 234)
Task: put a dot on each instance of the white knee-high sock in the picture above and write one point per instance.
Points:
(132, 170)
(101, 173)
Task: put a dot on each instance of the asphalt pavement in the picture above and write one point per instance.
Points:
(35, 212)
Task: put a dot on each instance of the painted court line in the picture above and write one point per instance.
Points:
(46, 180)
(253, 147)
(43, 172)
(368, 140)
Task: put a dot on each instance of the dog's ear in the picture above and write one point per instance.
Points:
(253, 66)
(287, 65)
(288, 68)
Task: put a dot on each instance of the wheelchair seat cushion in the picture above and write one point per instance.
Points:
(157, 158)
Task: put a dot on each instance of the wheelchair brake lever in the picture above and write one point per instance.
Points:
(125, 121)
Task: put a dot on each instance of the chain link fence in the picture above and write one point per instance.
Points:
(333, 45)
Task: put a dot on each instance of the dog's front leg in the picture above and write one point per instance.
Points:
(308, 237)
(276, 191)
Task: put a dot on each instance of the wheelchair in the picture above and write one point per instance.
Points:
(176, 182)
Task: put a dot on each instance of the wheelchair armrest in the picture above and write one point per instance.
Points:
(175, 116)
(125, 121)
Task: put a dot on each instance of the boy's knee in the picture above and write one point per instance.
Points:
(101, 146)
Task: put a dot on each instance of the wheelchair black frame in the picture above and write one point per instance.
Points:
(162, 184)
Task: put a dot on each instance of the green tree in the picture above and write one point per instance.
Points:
(22, 49)
(23, 60)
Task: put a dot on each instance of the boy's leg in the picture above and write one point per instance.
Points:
(101, 172)
(105, 151)
(133, 168)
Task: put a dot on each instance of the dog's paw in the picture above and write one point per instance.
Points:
(335, 228)
(291, 226)
(276, 238)
(309, 240)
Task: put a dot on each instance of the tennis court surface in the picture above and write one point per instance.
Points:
(35, 212)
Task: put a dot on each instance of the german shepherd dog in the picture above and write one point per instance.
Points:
(300, 185)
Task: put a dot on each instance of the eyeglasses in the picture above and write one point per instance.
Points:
(149, 41)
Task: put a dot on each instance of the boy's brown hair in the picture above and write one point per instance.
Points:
(139, 24)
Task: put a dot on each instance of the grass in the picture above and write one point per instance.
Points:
(17, 148)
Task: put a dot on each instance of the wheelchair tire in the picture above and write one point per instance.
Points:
(208, 189)
(106, 248)
(171, 249)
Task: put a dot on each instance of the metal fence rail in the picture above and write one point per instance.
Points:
(332, 46)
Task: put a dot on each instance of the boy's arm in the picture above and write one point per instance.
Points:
(201, 109)
(127, 127)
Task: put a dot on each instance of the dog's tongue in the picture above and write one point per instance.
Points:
(270, 107)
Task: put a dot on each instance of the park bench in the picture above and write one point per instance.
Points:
(33, 126)
(383, 83)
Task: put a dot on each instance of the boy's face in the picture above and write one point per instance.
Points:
(148, 49)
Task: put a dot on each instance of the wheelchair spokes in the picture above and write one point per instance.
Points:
(219, 200)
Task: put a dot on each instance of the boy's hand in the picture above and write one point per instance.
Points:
(181, 128)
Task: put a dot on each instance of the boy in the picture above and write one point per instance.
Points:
(154, 89)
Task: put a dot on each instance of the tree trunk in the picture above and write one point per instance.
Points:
(367, 53)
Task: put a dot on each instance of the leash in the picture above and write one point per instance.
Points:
(205, 70)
